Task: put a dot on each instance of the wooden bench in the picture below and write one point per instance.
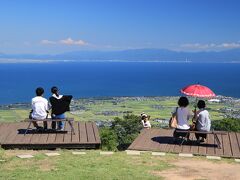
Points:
(188, 132)
(69, 120)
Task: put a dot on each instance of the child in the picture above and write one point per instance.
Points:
(203, 122)
(145, 121)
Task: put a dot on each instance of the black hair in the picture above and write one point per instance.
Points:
(201, 104)
(54, 90)
(183, 101)
(39, 91)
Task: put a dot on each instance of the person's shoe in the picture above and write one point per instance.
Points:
(60, 128)
(53, 127)
(39, 129)
(202, 140)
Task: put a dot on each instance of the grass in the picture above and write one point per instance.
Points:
(89, 166)
(93, 165)
(13, 115)
(16, 115)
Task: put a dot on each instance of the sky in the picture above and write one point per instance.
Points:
(58, 26)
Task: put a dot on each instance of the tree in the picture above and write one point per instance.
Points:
(125, 130)
(227, 124)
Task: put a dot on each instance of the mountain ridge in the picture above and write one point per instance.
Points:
(232, 55)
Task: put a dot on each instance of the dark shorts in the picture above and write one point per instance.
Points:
(201, 135)
(179, 134)
(198, 135)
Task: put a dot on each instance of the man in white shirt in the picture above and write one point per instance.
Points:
(39, 107)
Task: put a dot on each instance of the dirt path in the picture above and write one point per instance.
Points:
(188, 169)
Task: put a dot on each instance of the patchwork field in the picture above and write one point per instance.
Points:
(105, 109)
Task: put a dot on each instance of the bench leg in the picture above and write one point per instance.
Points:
(71, 125)
(27, 128)
(217, 140)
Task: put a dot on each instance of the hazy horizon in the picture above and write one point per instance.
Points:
(59, 26)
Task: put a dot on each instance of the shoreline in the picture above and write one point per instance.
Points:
(37, 61)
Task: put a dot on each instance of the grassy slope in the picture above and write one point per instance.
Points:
(89, 166)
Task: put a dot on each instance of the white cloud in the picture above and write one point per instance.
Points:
(68, 41)
(45, 41)
(230, 45)
(210, 46)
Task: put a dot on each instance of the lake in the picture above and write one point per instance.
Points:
(97, 79)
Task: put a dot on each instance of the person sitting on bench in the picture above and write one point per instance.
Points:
(39, 108)
(145, 120)
(183, 115)
(202, 121)
(60, 104)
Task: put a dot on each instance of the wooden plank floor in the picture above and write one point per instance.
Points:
(162, 140)
(86, 136)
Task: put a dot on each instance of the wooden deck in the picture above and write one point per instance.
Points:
(161, 140)
(86, 136)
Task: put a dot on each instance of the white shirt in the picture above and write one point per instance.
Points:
(39, 107)
(146, 124)
(203, 121)
(183, 115)
(57, 97)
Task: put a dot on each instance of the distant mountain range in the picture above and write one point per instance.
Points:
(232, 55)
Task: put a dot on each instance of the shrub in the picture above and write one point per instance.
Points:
(121, 134)
(126, 130)
(227, 124)
(108, 139)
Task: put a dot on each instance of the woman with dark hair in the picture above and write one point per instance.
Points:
(202, 120)
(60, 104)
(183, 115)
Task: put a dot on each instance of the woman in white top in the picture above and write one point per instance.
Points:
(203, 122)
(183, 115)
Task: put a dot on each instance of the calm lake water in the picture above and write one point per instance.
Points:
(83, 79)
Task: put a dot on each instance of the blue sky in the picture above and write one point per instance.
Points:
(57, 26)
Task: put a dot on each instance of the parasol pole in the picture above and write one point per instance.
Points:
(195, 110)
(195, 106)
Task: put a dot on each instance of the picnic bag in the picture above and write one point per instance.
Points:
(173, 120)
